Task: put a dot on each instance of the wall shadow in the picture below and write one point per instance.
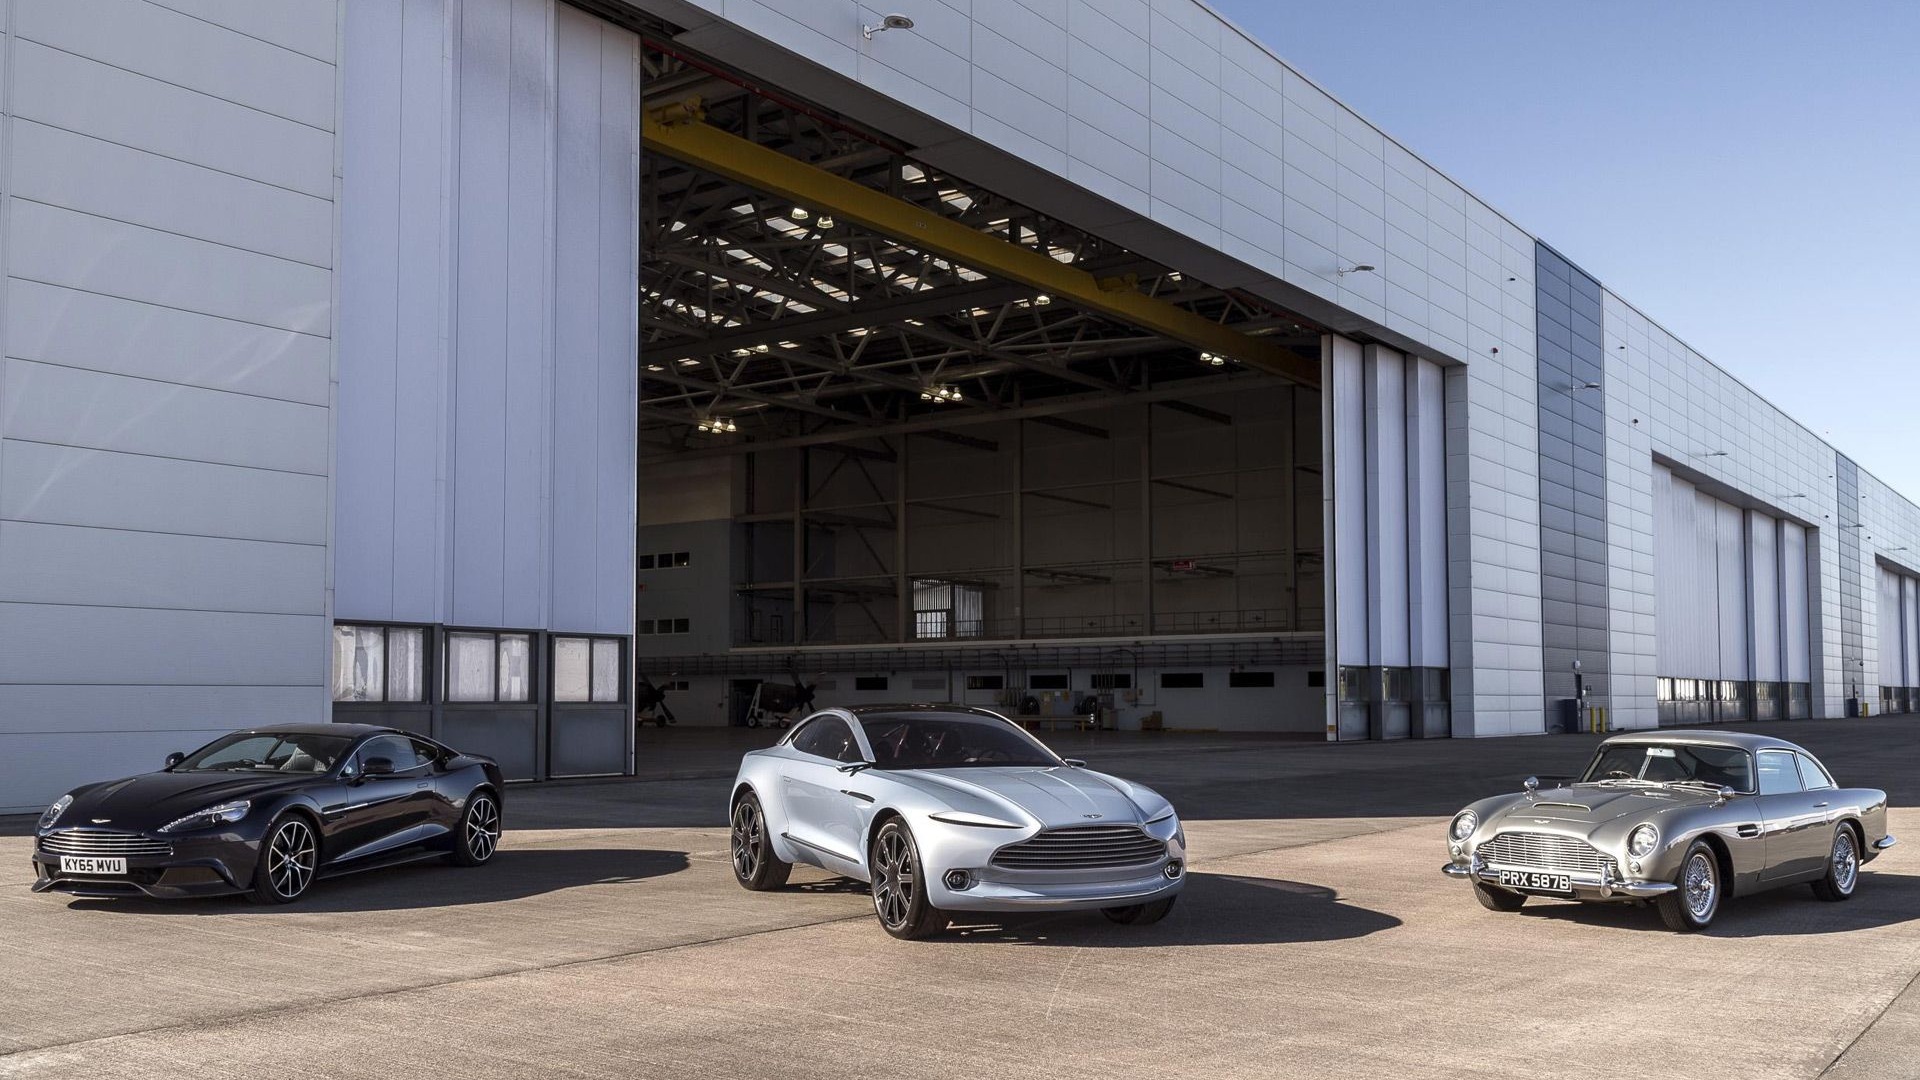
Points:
(1214, 909)
(1882, 899)
(512, 875)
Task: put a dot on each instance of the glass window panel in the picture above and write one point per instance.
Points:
(680, 626)
(359, 663)
(470, 667)
(406, 664)
(606, 669)
(681, 558)
(516, 667)
(646, 562)
(571, 658)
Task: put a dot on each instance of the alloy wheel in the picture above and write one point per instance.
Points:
(748, 837)
(1846, 862)
(1702, 886)
(291, 855)
(483, 829)
(893, 879)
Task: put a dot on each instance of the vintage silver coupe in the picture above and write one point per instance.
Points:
(1678, 819)
(942, 809)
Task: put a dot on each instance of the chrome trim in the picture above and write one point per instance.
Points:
(1082, 847)
(101, 843)
(1884, 842)
(1553, 853)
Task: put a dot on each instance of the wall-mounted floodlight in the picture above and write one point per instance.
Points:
(1356, 268)
(1585, 386)
(891, 22)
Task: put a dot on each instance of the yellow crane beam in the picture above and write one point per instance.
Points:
(679, 131)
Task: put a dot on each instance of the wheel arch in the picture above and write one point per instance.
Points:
(1723, 857)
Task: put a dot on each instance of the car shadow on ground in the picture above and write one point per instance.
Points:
(1882, 899)
(1214, 909)
(512, 875)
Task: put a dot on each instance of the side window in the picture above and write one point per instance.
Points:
(827, 737)
(394, 748)
(1814, 774)
(425, 751)
(1777, 773)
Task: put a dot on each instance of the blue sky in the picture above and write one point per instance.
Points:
(1746, 172)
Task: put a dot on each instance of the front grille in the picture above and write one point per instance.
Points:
(104, 843)
(1544, 851)
(1082, 847)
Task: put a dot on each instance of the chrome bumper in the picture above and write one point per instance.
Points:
(1602, 886)
(1884, 842)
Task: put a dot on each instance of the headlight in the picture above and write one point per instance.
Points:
(1641, 842)
(1464, 825)
(52, 813)
(223, 814)
(979, 821)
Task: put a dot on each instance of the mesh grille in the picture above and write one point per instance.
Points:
(1082, 847)
(102, 843)
(1544, 851)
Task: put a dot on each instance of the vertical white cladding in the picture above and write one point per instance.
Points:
(488, 287)
(1730, 552)
(1796, 615)
(166, 193)
(1427, 508)
(1386, 456)
(1346, 403)
(1763, 561)
(1889, 613)
(1909, 632)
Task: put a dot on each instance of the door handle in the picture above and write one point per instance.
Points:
(857, 795)
(423, 785)
(1819, 806)
(1748, 831)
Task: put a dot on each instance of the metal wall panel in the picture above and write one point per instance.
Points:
(1889, 615)
(1386, 480)
(1909, 633)
(1763, 561)
(1347, 410)
(1427, 503)
(1796, 616)
(1730, 551)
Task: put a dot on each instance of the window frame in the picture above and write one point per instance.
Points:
(1820, 770)
(820, 723)
(428, 660)
(623, 662)
(535, 674)
(357, 758)
(1759, 774)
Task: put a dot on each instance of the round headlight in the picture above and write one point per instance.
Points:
(1464, 825)
(1641, 841)
(52, 813)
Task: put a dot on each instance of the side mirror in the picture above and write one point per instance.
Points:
(1074, 763)
(852, 767)
(1532, 784)
(377, 766)
(1726, 793)
(175, 758)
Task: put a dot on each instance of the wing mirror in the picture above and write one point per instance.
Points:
(175, 758)
(377, 766)
(1726, 793)
(1073, 763)
(1532, 784)
(852, 767)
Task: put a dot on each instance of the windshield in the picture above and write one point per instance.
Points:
(267, 752)
(950, 741)
(1672, 763)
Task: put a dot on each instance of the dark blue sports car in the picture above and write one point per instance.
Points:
(268, 812)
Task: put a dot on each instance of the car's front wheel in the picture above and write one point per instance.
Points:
(289, 858)
(1140, 914)
(900, 898)
(1843, 867)
(755, 866)
(1494, 898)
(1693, 905)
(479, 835)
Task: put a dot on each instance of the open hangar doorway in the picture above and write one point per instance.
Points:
(902, 438)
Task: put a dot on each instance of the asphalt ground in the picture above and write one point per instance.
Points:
(1316, 938)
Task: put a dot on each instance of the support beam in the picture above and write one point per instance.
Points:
(680, 132)
(1074, 426)
(1195, 488)
(1200, 411)
(1070, 499)
(971, 442)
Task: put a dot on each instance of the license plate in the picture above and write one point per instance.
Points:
(1538, 882)
(81, 864)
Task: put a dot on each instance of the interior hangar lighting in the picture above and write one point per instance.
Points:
(942, 393)
(719, 425)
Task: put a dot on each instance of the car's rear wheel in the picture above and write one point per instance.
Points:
(755, 866)
(479, 835)
(289, 858)
(1140, 914)
(1843, 867)
(1495, 898)
(900, 885)
(1693, 905)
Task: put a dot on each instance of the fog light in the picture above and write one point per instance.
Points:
(959, 880)
(1173, 870)
(1635, 867)
(1456, 849)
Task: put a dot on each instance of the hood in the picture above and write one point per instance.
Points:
(150, 800)
(1594, 806)
(1056, 796)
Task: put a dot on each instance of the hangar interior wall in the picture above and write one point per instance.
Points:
(167, 244)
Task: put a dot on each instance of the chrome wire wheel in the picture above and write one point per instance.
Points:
(1701, 886)
(483, 828)
(893, 879)
(1846, 862)
(291, 855)
(749, 839)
